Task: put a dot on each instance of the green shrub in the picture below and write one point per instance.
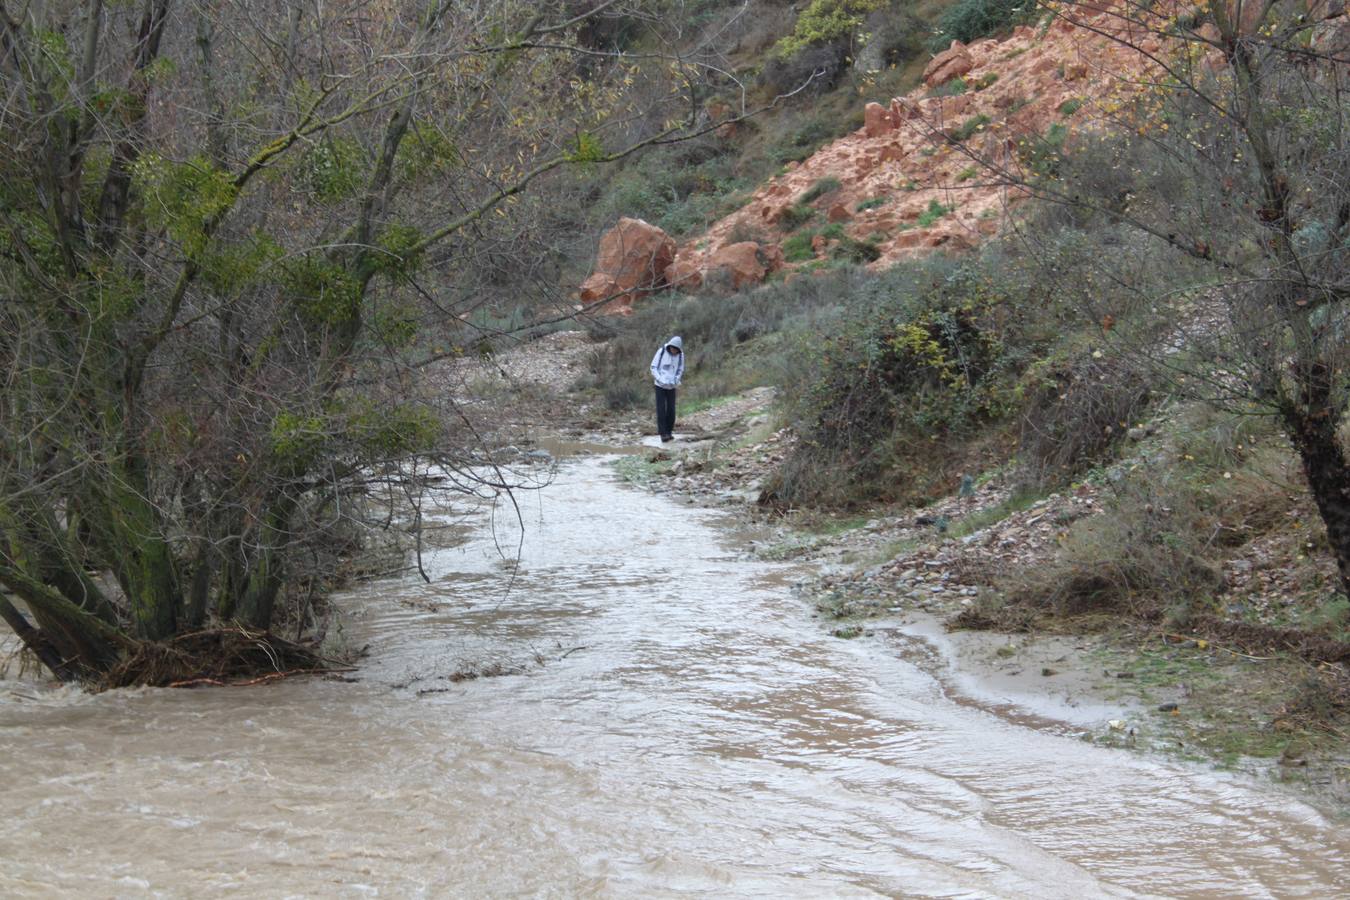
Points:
(953, 88)
(919, 359)
(1077, 409)
(934, 212)
(812, 71)
(969, 20)
(795, 216)
(799, 143)
(855, 251)
(871, 203)
(682, 190)
(1070, 106)
(1044, 155)
(333, 168)
(1146, 552)
(969, 127)
(798, 247)
(822, 187)
(834, 231)
(986, 80)
(967, 173)
(826, 22)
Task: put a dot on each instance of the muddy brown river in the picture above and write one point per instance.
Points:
(680, 726)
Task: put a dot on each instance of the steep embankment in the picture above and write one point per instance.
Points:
(981, 105)
(936, 168)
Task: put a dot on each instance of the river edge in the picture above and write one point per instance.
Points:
(1111, 684)
(1112, 687)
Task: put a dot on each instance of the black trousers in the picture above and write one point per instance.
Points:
(665, 411)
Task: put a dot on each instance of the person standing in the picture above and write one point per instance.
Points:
(667, 370)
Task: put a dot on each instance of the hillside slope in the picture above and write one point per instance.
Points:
(918, 175)
(978, 103)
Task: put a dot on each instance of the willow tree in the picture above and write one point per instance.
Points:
(225, 229)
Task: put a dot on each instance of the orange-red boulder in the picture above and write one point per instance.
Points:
(877, 120)
(949, 64)
(741, 262)
(838, 213)
(632, 261)
(684, 275)
(599, 288)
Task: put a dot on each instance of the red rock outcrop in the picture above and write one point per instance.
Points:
(953, 62)
(684, 275)
(877, 120)
(908, 182)
(631, 262)
(740, 264)
(911, 161)
(838, 213)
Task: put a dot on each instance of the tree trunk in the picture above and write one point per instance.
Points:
(264, 573)
(36, 641)
(131, 534)
(82, 640)
(1311, 424)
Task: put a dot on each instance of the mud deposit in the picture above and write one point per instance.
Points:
(672, 722)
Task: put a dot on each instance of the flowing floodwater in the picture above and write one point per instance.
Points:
(679, 725)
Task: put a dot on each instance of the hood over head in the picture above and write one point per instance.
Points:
(676, 341)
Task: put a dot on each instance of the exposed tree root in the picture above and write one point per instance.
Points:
(218, 656)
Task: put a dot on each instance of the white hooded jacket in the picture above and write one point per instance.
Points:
(667, 367)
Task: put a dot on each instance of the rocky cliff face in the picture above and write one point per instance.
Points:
(936, 168)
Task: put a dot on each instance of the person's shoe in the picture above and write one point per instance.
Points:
(667, 437)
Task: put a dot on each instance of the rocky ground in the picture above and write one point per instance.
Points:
(904, 577)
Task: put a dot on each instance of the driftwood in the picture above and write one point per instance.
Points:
(218, 656)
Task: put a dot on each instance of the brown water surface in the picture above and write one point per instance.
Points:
(679, 726)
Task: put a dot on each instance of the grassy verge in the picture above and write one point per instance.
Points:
(1210, 703)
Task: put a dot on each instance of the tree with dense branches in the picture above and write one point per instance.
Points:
(227, 229)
